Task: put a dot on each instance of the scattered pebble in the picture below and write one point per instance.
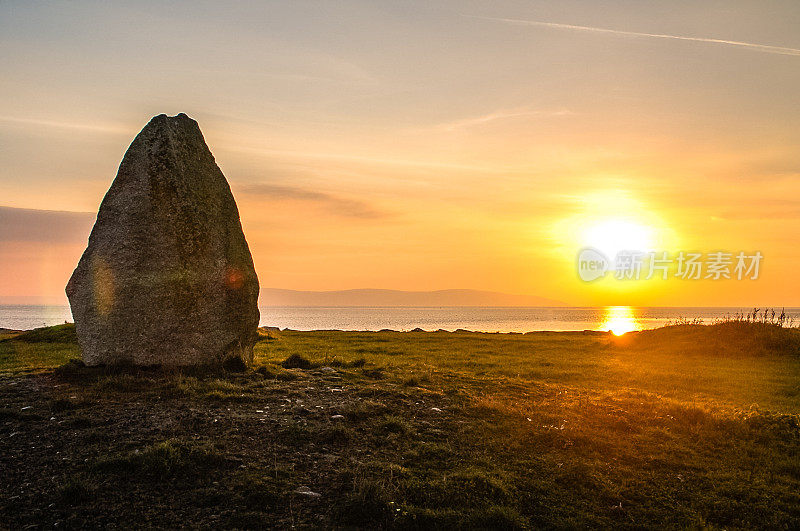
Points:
(337, 417)
(305, 491)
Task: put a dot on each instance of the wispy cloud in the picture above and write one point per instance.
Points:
(44, 226)
(359, 159)
(98, 128)
(334, 204)
(497, 115)
(780, 50)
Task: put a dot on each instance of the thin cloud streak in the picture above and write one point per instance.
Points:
(779, 50)
(44, 226)
(352, 208)
(308, 155)
(66, 125)
(497, 115)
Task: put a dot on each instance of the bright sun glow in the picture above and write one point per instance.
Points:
(613, 236)
(619, 320)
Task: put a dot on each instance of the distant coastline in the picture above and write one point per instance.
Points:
(273, 297)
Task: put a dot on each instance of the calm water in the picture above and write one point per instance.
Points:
(616, 318)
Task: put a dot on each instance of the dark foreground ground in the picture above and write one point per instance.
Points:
(685, 426)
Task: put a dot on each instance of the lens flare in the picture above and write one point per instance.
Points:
(103, 278)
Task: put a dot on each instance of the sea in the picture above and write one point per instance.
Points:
(618, 319)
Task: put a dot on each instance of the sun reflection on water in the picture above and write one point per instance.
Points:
(619, 320)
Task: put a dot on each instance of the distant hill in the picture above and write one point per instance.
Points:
(389, 297)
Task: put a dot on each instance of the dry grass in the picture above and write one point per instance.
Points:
(685, 426)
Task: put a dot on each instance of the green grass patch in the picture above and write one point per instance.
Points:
(683, 427)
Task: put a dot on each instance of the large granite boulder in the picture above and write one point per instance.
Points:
(167, 277)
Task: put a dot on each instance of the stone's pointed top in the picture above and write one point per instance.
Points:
(180, 120)
(168, 138)
(179, 116)
(162, 124)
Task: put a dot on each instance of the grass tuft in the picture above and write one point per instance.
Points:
(367, 504)
(163, 459)
(296, 361)
(363, 410)
(376, 373)
(74, 492)
(234, 364)
(354, 364)
(394, 424)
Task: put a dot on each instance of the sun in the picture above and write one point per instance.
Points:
(614, 235)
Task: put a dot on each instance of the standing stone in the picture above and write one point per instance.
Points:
(167, 277)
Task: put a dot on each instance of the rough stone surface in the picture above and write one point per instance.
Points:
(167, 277)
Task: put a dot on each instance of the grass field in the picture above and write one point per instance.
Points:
(685, 426)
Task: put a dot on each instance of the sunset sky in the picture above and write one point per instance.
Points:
(421, 145)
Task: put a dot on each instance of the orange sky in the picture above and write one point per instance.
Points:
(455, 145)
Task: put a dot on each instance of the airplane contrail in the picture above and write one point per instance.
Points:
(780, 50)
